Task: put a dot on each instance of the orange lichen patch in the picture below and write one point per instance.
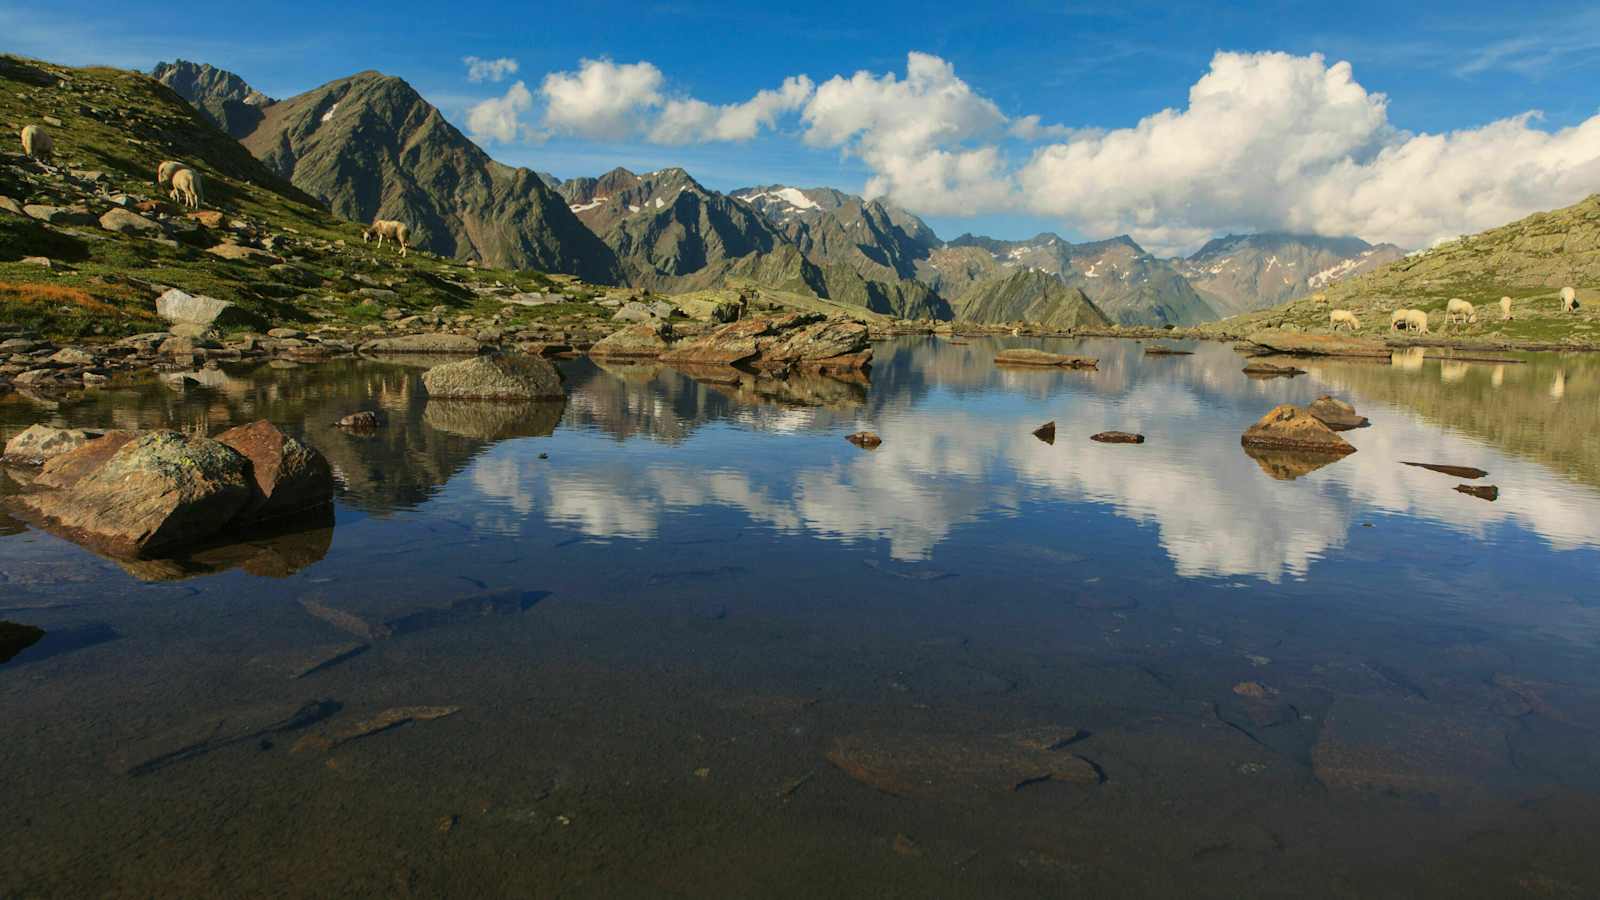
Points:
(60, 295)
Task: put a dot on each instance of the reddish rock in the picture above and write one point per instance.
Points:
(864, 439)
(289, 476)
(210, 218)
(1288, 427)
(69, 468)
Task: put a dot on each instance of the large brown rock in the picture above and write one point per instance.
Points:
(39, 443)
(1337, 414)
(156, 493)
(1288, 427)
(501, 377)
(806, 341)
(1027, 356)
(647, 340)
(69, 468)
(289, 476)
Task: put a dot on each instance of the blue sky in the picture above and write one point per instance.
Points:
(1088, 67)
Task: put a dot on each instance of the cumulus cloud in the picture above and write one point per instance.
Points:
(602, 100)
(500, 118)
(685, 121)
(480, 69)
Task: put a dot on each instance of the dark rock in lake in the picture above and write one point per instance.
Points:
(1117, 437)
(1481, 491)
(1269, 370)
(864, 439)
(1029, 357)
(1161, 350)
(1336, 414)
(1046, 432)
(1288, 427)
(15, 638)
(289, 477)
(365, 420)
(1452, 471)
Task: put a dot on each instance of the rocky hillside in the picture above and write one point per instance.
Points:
(1029, 295)
(1128, 284)
(1529, 260)
(879, 240)
(221, 96)
(369, 146)
(1243, 273)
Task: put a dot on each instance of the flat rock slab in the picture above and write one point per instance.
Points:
(1410, 746)
(1117, 437)
(1452, 471)
(1289, 427)
(1336, 414)
(946, 767)
(213, 732)
(297, 664)
(1030, 357)
(1269, 370)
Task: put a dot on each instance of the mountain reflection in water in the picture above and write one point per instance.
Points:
(677, 636)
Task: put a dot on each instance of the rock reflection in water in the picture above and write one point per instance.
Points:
(1287, 465)
(493, 421)
(288, 547)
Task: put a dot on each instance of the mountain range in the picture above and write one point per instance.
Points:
(370, 146)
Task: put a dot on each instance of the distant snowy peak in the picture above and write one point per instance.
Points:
(1245, 272)
(777, 199)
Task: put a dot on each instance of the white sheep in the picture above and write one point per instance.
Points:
(1505, 309)
(1397, 320)
(1416, 320)
(1345, 318)
(164, 171)
(187, 187)
(398, 232)
(1569, 299)
(1459, 310)
(36, 143)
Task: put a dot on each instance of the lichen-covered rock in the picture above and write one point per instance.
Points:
(39, 443)
(70, 467)
(1026, 356)
(1288, 427)
(156, 493)
(646, 340)
(424, 343)
(289, 476)
(499, 377)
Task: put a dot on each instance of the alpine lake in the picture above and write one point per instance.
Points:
(681, 639)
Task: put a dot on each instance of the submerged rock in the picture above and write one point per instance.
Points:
(498, 377)
(1029, 357)
(289, 476)
(15, 638)
(1410, 747)
(42, 442)
(1288, 427)
(383, 721)
(1046, 432)
(942, 766)
(1336, 414)
(1117, 437)
(864, 439)
(156, 492)
(1453, 471)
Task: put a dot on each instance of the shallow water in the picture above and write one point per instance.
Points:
(709, 648)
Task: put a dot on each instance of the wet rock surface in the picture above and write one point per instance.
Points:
(1289, 427)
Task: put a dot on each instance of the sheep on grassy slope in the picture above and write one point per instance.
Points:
(1569, 299)
(1458, 310)
(1505, 309)
(37, 144)
(1416, 320)
(1343, 318)
(398, 232)
(165, 170)
(1397, 320)
(187, 188)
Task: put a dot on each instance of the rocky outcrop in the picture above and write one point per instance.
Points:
(290, 477)
(517, 378)
(1025, 356)
(647, 340)
(423, 343)
(804, 341)
(1289, 427)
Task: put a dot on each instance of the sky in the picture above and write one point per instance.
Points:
(1401, 122)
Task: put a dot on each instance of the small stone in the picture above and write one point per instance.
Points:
(1046, 432)
(1481, 491)
(1117, 437)
(864, 439)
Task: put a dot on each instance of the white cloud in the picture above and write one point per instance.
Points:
(685, 121)
(480, 69)
(500, 118)
(1031, 128)
(602, 100)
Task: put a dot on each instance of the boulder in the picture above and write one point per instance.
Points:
(646, 340)
(634, 312)
(1117, 437)
(39, 443)
(241, 253)
(1336, 414)
(122, 221)
(72, 356)
(289, 476)
(1288, 427)
(209, 218)
(60, 215)
(157, 492)
(807, 341)
(1269, 370)
(1481, 491)
(1024, 356)
(181, 308)
(499, 377)
(423, 343)
(69, 468)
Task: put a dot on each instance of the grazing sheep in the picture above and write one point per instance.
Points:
(164, 171)
(1459, 310)
(1505, 309)
(1416, 320)
(398, 232)
(187, 188)
(1397, 320)
(36, 143)
(1343, 317)
(1569, 299)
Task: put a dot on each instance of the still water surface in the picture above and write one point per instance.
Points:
(702, 646)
